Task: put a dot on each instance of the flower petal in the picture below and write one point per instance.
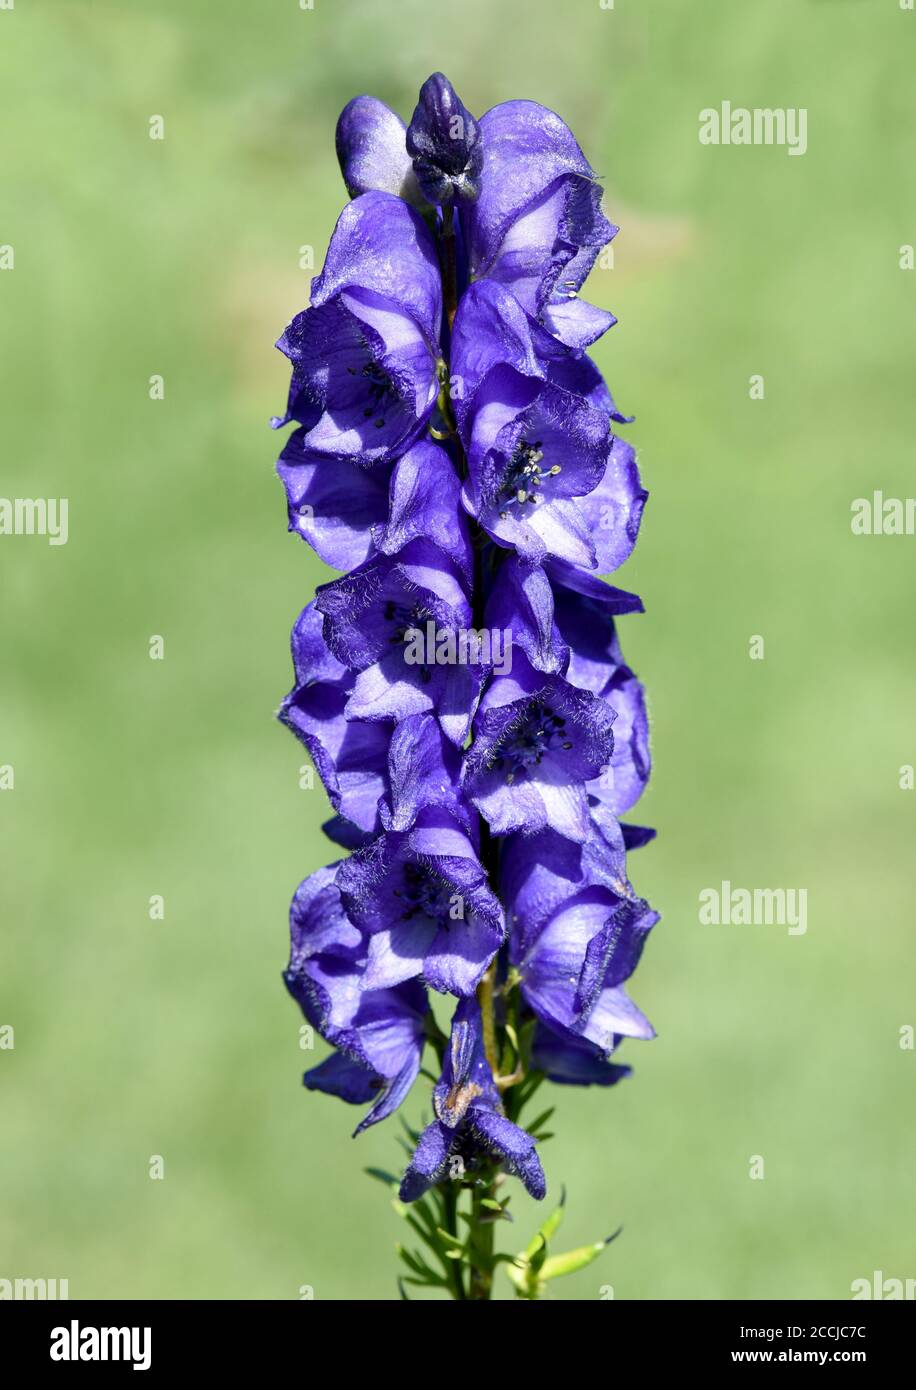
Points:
(372, 152)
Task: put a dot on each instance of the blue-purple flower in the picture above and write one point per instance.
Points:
(423, 899)
(372, 616)
(543, 474)
(578, 930)
(538, 742)
(537, 225)
(562, 631)
(365, 354)
(470, 1123)
(348, 513)
(378, 1033)
(350, 757)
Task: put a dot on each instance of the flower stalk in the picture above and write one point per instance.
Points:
(455, 458)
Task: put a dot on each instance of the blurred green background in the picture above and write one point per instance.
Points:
(133, 777)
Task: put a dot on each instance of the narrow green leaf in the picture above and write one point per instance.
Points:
(536, 1260)
(426, 1214)
(380, 1175)
(414, 1260)
(427, 1237)
(572, 1260)
(548, 1228)
(533, 1125)
(449, 1238)
(411, 1260)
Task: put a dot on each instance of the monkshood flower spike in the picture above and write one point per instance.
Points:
(459, 681)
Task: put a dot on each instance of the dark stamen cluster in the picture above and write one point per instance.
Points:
(404, 618)
(524, 475)
(381, 391)
(526, 744)
(423, 893)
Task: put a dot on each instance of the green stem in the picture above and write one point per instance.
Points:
(482, 1234)
(488, 1019)
(449, 1190)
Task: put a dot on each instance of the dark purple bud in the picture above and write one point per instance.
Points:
(444, 140)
